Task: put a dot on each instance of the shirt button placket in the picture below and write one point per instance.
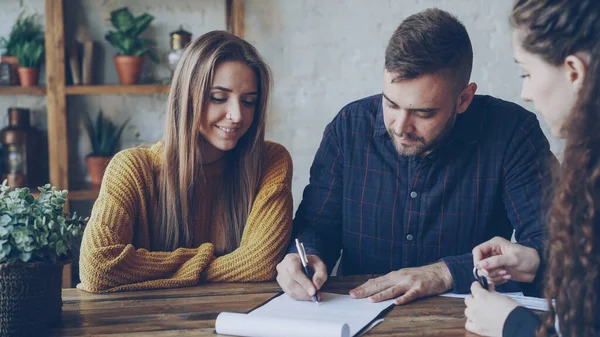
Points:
(412, 249)
(417, 174)
(413, 195)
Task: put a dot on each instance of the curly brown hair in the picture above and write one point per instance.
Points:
(553, 30)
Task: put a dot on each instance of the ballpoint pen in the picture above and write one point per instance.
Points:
(304, 260)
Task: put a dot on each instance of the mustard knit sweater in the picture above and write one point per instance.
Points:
(115, 250)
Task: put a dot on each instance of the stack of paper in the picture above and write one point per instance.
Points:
(335, 316)
(534, 303)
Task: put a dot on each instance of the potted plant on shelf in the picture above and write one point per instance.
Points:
(25, 29)
(30, 55)
(132, 48)
(104, 137)
(36, 237)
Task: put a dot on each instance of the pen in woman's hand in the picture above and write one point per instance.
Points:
(481, 279)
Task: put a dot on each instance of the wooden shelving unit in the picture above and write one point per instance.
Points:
(56, 91)
(86, 194)
(115, 89)
(14, 90)
(78, 195)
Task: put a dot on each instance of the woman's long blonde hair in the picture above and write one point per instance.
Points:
(181, 170)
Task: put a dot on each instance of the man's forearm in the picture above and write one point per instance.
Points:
(440, 269)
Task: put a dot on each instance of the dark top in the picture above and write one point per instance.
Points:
(521, 322)
(388, 211)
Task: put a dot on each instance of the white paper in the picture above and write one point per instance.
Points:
(453, 295)
(335, 315)
(264, 326)
(534, 303)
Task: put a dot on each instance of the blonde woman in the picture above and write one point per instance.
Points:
(212, 201)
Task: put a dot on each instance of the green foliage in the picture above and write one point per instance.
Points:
(36, 229)
(25, 29)
(126, 39)
(104, 136)
(30, 54)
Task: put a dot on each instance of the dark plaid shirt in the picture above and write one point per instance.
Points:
(388, 211)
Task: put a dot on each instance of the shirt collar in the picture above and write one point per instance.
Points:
(379, 124)
(469, 125)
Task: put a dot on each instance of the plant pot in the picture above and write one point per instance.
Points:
(96, 167)
(29, 77)
(129, 68)
(14, 66)
(30, 298)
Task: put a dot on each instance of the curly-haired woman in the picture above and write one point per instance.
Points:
(557, 45)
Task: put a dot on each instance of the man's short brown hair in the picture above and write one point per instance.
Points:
(431, 42)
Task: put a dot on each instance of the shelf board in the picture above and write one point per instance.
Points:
(18, 90)
(76, 195)
(115, 89)
(84, 194)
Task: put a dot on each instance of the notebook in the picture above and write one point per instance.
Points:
(335, 316)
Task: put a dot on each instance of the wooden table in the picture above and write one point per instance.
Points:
(192, 311)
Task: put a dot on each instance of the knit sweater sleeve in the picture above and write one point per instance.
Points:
(268, 228)
(108, 260)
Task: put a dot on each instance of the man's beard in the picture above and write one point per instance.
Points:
(419, 146)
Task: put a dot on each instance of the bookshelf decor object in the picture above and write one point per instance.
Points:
(23, 158)
(132, 48)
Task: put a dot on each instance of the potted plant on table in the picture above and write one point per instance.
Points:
(25, 29)
(132, 48)
(104, 137)
(35, 242)
(30, 55)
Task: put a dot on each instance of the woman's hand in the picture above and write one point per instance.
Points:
(500, 260)
(487, 311)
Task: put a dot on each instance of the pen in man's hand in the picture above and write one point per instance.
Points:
(304, 260)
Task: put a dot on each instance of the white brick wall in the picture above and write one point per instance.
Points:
(323, 53)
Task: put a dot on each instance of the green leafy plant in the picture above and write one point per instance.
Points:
(126, 39)
(25, 29)
(30, 54)
(104, 136)
(36, 229)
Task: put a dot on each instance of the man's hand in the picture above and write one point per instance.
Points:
(501, 260)
(293, 280)
(406, 285)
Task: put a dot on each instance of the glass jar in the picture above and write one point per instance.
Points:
(179, 40)
(22, 151)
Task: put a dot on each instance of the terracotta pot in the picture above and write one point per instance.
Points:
(96, 167)
(29, 77)
(129, 68)
(14, 66)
